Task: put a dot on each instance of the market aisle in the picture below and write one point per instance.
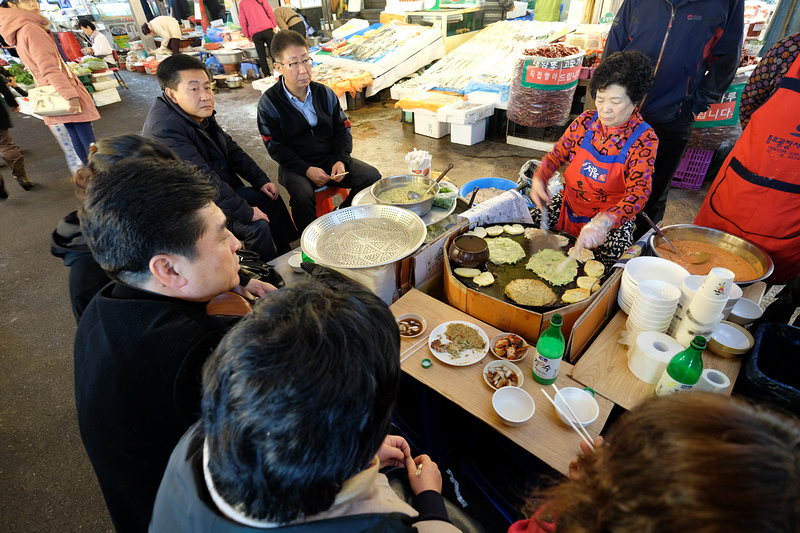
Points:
(47, 481)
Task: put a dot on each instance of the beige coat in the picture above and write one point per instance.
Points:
(38, 52)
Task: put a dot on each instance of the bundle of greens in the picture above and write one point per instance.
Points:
(93, 63)
(446, 196)
(21, 75)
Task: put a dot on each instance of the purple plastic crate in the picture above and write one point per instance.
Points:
(692, 170)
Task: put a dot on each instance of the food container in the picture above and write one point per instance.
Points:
(730, 340)
(495, 366)
(469, 251)
(228, 56)
(520, 352)
(745, 312)
(751, 253)
(250, 53)
(411, 319)
(392, 182)
(234, 82)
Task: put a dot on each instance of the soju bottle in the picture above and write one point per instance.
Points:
(548, 353)
(683, 370)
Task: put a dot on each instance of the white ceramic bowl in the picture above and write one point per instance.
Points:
(730, 340)
(640, 269)
(633, 325)
(499, 336)
(294, 261)
(493, 365)
(745, 312)
(513, 405)
(583, 404)
(418, 318)
(658, 292)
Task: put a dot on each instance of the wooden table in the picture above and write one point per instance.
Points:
(545, 436)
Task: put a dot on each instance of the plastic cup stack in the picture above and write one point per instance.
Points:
(704, 313)
(419, 162)
(654, 306)
(689, 287)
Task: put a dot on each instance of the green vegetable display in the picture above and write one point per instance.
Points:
(21, 75)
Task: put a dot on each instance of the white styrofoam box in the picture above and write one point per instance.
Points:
(105, 97)
(343, 102)
(381, 280)
(264, 83)
(520, 10)
(427, 123)
(106, 84)
(465, 112)
(352, 26)
(99, 76)
(468, 134)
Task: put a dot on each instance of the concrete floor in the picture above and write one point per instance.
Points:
(46, 480)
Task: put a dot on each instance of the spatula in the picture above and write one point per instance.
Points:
(545, 240)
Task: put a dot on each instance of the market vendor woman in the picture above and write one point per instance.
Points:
(611, 152)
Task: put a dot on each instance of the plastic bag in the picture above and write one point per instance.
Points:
(446, 196)
(214, 66)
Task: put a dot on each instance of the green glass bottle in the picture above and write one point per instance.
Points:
(549, 351)
(683, 370)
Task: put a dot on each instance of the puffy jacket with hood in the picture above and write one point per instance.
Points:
(694, 45)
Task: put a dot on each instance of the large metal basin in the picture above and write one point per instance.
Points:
(393, 182)
(228, 56)
(755, 256)
(250, 53)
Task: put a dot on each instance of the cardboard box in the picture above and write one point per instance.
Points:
(103, 85)
(427, 123)
(108, 96)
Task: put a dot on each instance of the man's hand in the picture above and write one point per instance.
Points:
(258, 214)
(16, 109)
(337, 172)
(429, 477)
(74, 106)
(394, 451)
(259, 288)
(574, 470)
(318, 176)
(271, 190)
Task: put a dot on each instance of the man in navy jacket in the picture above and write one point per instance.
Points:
(695, 47)
(182, 118)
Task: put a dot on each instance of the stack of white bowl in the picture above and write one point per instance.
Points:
(705, 311)
(654, 306)
(736, 293)
(641, 269)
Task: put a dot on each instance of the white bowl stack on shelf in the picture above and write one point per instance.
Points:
(705, 311)
(641, 269)
(654, 306)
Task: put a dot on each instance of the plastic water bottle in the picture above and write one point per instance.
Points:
(683, 370)
(548, 352)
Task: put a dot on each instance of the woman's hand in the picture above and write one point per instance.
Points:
(394, 451)
(539, 193)
(74, 106)
(429, 477)
(574, 465)
(594, 233)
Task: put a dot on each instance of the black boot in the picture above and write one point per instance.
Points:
(3, 193)
(18, 170)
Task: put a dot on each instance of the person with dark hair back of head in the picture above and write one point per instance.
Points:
(307, 133)
(183, 119)
(699, 462)
(297, 402)
(611, 152)
(142, 341)
(169, 29)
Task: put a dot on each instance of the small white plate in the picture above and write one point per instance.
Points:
(467, 357)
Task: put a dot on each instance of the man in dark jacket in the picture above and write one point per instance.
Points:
(307, 132)
(695, 48)
(182, 118)
(142, 341)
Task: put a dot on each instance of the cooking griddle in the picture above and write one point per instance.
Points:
(504, 274)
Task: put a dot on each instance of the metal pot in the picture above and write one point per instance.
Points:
(755, 256)
(314, 41)
(250, 53)
(228, 56)
(234, 82)
(392, 182)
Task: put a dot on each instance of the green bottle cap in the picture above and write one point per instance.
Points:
(699, 343)
(426, 363)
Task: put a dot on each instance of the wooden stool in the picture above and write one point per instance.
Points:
(324, 197)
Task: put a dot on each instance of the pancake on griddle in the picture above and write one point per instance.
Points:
(530, 292)
(504, 251)
(547, 264)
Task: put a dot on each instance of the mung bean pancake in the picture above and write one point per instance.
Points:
(530, 292)
(504, 251)
(547, 264)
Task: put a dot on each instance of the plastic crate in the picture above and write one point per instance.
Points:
(692, 170)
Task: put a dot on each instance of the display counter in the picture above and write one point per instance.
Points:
(457, 25)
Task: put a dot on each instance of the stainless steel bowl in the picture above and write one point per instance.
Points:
(250, 53)
(228, 56)
(392, 182)
(234, 82)
(755, 256)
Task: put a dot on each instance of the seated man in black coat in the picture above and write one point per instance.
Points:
(182, 118)
(307, 132)
(142, 341)
(297, 402)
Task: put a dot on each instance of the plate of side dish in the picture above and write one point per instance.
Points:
(458, 343)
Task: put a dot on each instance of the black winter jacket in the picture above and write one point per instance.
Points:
(194, 142)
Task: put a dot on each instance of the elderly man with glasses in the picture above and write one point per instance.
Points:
(307, 133)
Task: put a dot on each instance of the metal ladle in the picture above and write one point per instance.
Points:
(693, 258)
(416, 196)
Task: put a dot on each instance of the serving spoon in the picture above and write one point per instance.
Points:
(693, 258)
(412, 195)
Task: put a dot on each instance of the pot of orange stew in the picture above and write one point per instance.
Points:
(748, 262)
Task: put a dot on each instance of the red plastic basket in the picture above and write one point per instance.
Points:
(692, 170)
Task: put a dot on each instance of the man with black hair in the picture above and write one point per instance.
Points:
(307, 133)
(297, 403)
(153, 227)
(168, 28)
(182, 118)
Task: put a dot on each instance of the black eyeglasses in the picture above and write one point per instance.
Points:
(295, 65)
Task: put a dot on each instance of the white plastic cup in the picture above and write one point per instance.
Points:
(718, 284)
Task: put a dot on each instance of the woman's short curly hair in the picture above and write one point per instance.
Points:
(631, 70)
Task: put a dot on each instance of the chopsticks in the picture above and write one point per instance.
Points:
(586, 438)
(340, 174)
(414, 349)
